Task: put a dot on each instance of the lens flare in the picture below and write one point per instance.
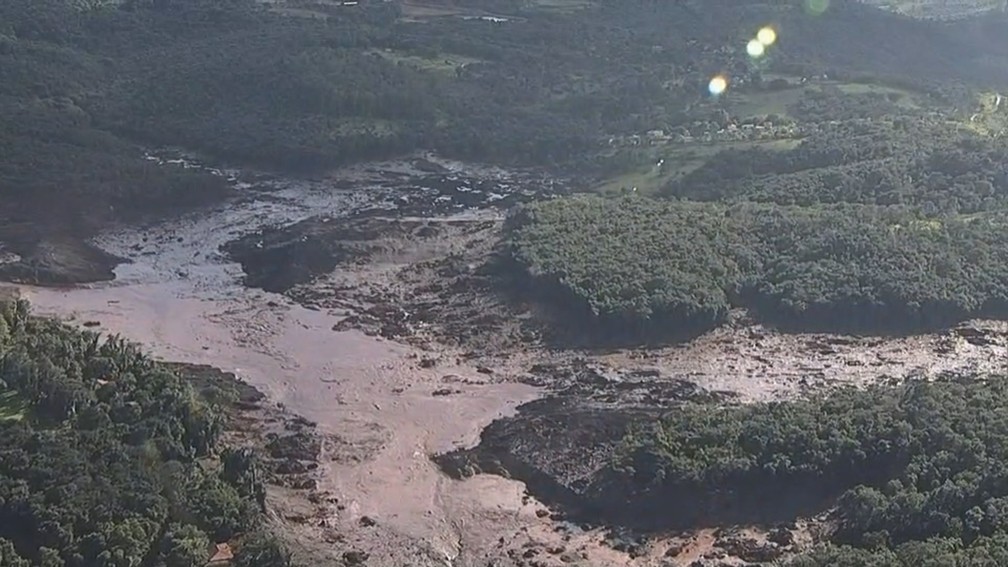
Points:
(767, 36)
(755, 48)
(718, 85)
(816, 7)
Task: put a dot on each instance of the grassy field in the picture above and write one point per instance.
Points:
(751, 103)
(445, 63)
(678, 160)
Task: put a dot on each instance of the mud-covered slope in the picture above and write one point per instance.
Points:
(563, 447)
(281, 257)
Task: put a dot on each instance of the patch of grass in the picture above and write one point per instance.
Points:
(562, 5)
(445, 63)
(677, 161)
(12, 406)
(902, 97)
(759, 103)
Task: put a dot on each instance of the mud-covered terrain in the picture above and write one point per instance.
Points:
(448, 426)
(436, 279)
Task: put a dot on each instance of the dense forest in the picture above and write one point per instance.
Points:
(107, 458)
(302, 86)
(911, 475)
(642, 267)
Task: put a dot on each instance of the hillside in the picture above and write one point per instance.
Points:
(91, 86)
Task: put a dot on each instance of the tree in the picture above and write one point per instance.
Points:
(262, 550)
(9, 556)
(184, 545)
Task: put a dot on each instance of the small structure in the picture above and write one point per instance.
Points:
(220, 554)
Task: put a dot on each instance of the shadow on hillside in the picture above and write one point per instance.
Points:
(568, 323)
(562, 449)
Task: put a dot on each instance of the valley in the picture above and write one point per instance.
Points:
(480, 283)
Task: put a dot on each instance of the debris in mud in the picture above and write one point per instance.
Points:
(749, 549)
(300, 446)
(562, 446)
(58, 262)
(445, 392)
(355, 557)
(279, 258)
(977, 335)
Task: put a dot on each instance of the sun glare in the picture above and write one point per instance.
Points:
(767, 36)
(718, 85)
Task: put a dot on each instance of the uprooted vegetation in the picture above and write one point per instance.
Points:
(637, 267)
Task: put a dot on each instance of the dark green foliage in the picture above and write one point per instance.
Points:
(671, 265)
(9, 556)
(262, 550)
(84, 80)
(912, 161)
(631, 259)
(184, 545)
(863, 268)
(102, 471)
(900, 465)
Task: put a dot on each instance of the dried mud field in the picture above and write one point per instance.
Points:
(448, 426)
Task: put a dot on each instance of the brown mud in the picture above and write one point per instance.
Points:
(437, 283)
(450, 430)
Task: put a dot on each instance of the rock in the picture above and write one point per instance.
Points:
(428, 362)
(781, 536)
(91, 324)
(749, 549)
(367, 521)
(975, 335)
(675, 549)
(484, 370)
(355, 557)
(444, 392)
(291, 466)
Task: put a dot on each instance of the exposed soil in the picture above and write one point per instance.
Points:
(290, 448)
(436, 283)
(373, 307)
